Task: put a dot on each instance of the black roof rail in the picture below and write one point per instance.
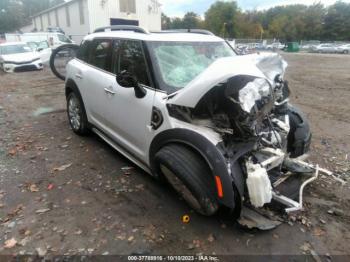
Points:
(133, 28)
(194, 31)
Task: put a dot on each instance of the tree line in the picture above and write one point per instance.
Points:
(16, 13)
(287, 23)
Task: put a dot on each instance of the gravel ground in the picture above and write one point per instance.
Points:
(63, 194)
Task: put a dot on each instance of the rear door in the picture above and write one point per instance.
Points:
(129, 117)
(44, 51)
(97, 81)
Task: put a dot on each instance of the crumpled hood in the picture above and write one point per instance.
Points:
(22, 57)
(265, 65)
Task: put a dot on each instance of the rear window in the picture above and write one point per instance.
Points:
(83, 52)
(100, 54)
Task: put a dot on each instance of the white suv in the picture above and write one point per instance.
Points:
(185, 108)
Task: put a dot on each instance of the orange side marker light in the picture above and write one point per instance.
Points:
(219, 186)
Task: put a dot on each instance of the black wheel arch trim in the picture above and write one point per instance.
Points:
(70, 84)
(211, 154)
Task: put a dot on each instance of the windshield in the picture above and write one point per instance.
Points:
(38, 45)
(14, 49)
(64, 39)
(178, 63)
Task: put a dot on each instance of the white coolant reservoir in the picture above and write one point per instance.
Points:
(259, 185)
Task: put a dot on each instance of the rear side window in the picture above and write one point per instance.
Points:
(130, 57)
(83, 52)
(100, 54)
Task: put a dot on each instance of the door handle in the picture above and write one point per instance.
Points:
(79, 76)
(108, 91)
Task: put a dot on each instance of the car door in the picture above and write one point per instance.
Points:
(44, 51)
(129, 117)
(96, 80)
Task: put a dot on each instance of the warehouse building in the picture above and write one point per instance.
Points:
(80, 17)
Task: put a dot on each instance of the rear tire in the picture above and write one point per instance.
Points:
(190, 176)
(76, 114)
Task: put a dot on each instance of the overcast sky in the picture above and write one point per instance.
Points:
(180, 7)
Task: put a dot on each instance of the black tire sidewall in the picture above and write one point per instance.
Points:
(199, 191)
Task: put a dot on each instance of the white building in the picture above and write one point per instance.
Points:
(80, 17)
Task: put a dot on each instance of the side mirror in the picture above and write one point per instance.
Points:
(127, 80)
(40, 49)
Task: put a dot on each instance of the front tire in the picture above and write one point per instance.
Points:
(299, 137)
(76, 114)
(190, 176)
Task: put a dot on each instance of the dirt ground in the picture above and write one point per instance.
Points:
(63, 194)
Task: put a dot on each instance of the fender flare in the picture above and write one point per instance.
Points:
(211, 154)
(71, 85)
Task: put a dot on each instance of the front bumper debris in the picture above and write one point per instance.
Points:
(291, 204)
(282, 173)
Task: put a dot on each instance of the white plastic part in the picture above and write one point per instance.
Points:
(259, 185)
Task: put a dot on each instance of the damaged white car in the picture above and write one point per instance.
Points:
(185, 108)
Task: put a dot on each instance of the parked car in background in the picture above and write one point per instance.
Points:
(308, 47)
(343, 49)
(55, 29)
(43, 49)
(325, 48)
(275, 46)
(53, 39)
(18, 57)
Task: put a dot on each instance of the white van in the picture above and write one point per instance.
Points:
(54, 39)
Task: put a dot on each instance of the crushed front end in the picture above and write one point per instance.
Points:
(261, 131)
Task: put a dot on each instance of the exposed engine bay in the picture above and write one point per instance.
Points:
(254, 113)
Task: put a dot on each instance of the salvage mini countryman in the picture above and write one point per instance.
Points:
(183, 106)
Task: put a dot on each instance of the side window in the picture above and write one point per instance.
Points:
(83, 52)
(100, 54)
(130, 57)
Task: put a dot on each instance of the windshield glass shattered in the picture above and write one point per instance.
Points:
(178, 63)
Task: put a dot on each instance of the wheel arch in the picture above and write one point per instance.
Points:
(208, 151)
(71, 86)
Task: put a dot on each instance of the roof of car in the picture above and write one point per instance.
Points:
(175, 37)
(13, 43)
(42, 33)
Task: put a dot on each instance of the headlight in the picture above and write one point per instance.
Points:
(250, 99)
(256, 93)
(250, 93)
